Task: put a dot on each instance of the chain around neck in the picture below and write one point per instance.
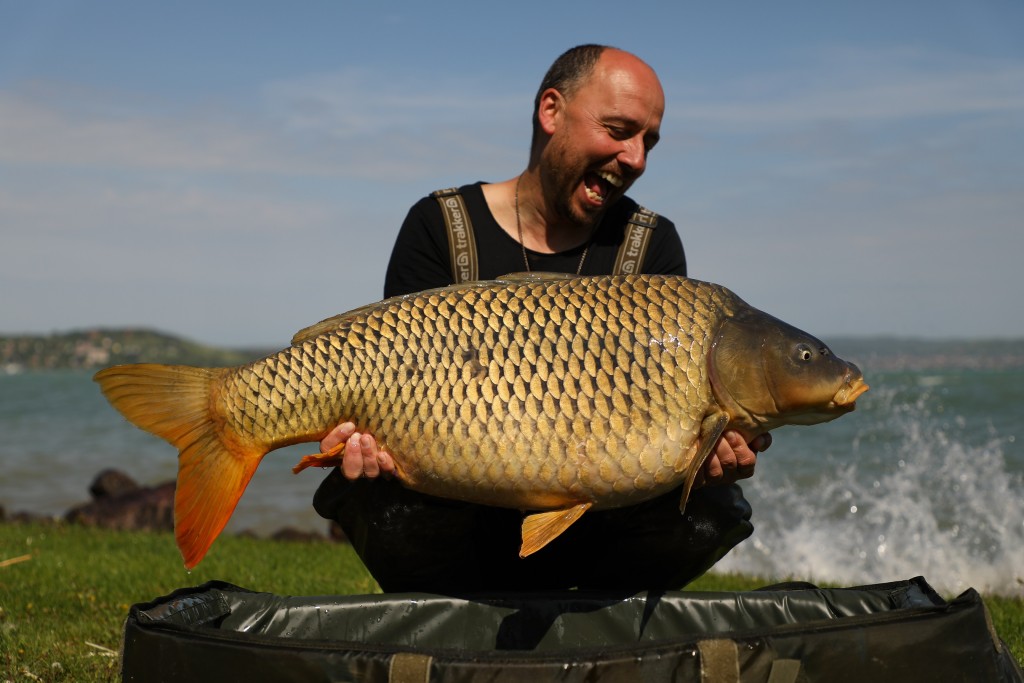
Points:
(519, 229)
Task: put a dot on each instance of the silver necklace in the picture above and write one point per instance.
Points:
(519, 228)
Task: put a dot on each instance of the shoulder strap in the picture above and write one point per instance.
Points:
(461, 243)
(630, 258)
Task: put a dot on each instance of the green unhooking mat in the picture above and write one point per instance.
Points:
(901, 631)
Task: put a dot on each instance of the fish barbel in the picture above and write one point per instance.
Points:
(548, 393)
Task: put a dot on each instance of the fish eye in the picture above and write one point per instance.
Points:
(804, 353)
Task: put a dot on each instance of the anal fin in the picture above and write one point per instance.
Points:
(541, 528)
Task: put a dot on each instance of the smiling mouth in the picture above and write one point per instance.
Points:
(600, 185)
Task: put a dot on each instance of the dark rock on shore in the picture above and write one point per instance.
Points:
(120, 503)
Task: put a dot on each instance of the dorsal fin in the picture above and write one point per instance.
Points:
(327, 325)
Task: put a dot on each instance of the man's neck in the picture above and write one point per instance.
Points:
(518, 206)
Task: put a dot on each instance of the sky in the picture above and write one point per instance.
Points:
(232, 172)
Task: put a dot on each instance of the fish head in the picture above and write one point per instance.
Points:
(766, 373)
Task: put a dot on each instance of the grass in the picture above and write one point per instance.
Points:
(62, 611)
(65, 590)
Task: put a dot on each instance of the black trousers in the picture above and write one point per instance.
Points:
(414, 542)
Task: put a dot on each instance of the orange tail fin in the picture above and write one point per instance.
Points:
(173, 402)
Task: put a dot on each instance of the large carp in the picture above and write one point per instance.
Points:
(547, 393)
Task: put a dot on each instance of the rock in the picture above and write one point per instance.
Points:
(111, 483)
(21, 517)
(119, 503)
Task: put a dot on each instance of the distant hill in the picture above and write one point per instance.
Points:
(97, 348)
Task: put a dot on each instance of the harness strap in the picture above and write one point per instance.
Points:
(461, 243)
(630, 258)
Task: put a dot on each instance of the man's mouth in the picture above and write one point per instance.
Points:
(599, 185)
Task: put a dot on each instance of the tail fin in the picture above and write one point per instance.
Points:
(173, 402)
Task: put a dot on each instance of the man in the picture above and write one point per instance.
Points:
(597, 115)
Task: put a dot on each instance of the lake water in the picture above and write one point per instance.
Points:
(925, 478)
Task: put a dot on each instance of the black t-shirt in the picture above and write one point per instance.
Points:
(420, 258)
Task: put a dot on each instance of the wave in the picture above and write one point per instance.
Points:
(918, 489)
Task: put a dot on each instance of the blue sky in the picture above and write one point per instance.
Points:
(234, 171)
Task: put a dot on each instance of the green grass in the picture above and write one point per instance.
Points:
(62, 610)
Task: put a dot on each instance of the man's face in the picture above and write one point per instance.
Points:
(600, 137)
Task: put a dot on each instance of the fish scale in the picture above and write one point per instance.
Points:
(536, 391)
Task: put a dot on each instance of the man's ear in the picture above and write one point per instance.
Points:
(550, 110)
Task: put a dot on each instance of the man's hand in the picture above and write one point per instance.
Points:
(732, 459)
(361, 457)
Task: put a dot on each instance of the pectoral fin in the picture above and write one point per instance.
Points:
(711, 430)
(543, 527)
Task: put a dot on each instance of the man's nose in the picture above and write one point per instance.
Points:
(634, 154)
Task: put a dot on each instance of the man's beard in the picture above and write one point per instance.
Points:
(560, 185)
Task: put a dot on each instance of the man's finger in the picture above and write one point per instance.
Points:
(352, 461)
(338, 435)
(713, 469)
(368, 448)
(761, 442)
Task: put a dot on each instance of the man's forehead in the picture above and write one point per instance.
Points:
(622, 79)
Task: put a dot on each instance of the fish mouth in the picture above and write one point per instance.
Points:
(848, 394)
(599, 185)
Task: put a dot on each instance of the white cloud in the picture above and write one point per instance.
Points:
(860, 194)
(858, 86)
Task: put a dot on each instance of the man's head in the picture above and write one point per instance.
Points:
(597, 114)
(565, 75)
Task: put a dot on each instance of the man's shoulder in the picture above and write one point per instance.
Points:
(469, 190)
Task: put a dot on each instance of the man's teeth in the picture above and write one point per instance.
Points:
(613, 180)
(608, 177)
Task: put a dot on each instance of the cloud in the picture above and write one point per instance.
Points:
(405, 125)
(356, 123)
(861, 193)
(856, 85)
(47, 129)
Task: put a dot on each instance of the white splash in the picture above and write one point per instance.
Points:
(932, 504)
